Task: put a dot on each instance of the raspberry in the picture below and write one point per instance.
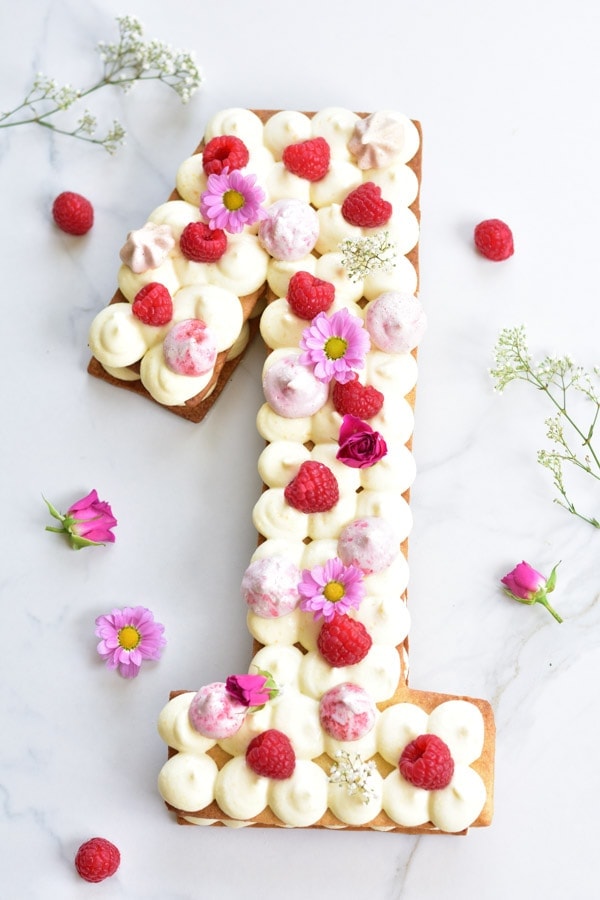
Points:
(343, 641)
(153, 305)
(314, 489)
(494, 239)
(271, 755)
(308, 295)
(356, 399)
(365, 207)
(308, 159)
(225, 151)
(426, 762)
(201, 243)
(73, 213)
(97, 859)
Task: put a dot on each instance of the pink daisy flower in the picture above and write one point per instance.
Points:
(232, 200)
(331, 589)
(334, 346)
(128, 637)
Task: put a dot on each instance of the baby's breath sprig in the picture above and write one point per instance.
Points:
(354, 774)
(125, 62)
(556, 377)
(364, 255)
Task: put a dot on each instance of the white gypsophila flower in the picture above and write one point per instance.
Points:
(353, 774)
(365, 255)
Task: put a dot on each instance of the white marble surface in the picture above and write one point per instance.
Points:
(508, 97)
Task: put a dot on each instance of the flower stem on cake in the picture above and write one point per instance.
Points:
(566, 385)
(331, 590)
(232, 200)
(125, 62)
(88, 522)
(334, 346)
(128, 637)
(526, 585)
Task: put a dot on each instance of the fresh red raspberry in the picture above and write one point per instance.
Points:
(356, 399)
(426, 762)
(494, 239)
(308, 295)
(365, 207)
(271, 755)
(73, 213)
(314, 489)
(308, 159)
(201, 243)
(97, 859)
(343, 641)
(227, 150)
(153, 304)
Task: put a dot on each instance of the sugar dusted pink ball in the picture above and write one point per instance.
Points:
(215, 713)
(270, 586)
(290, 229)
(347, 712)
(370, 543)
(292, 390)
(396, 322)
(190, 348)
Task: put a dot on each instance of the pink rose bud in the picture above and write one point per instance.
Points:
(360, 446)
(88, 522)
(527, 585)
(252, 690)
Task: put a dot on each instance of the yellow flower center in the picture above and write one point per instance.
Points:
(335, 347)
(233, 200)
(129, 637)
(334, 591)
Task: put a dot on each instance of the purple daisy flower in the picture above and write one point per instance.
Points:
(128, 637)
(331, 589)
(334, 346)
(232, 200)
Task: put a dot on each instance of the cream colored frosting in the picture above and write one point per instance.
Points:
(294, 539)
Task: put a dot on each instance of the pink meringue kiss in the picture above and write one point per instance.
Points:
(270, 587)
(290, 229)
(215, 713)
(347, 712)
(370, 544)
(189, 348)
(292, 390)
(396, 322)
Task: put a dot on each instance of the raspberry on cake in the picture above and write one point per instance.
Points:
(343, 741)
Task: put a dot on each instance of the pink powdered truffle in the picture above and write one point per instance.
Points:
(215, 713)
(190, 348)
(270, 586)
(290, 229)
(396, 322)
(347, 712)
(371, 544)
(292, 390)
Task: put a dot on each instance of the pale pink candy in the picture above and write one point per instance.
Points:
(370, 544)
(147, 247)
(377, 140)
(270, 586)
(215, 713)
(396, 322)
(347, 712)
(190, 348)
(292, 390)
(290, 229)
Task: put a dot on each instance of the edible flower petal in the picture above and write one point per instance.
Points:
(88, 522)
(128, 637)
(526, 585)
(232, 200)
(331, 589)
(334, 346)
(360, 445)
(252, 690)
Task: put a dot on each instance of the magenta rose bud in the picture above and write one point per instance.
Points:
(252, 690)
(360, 446)
(527, 585)
(88, 522)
